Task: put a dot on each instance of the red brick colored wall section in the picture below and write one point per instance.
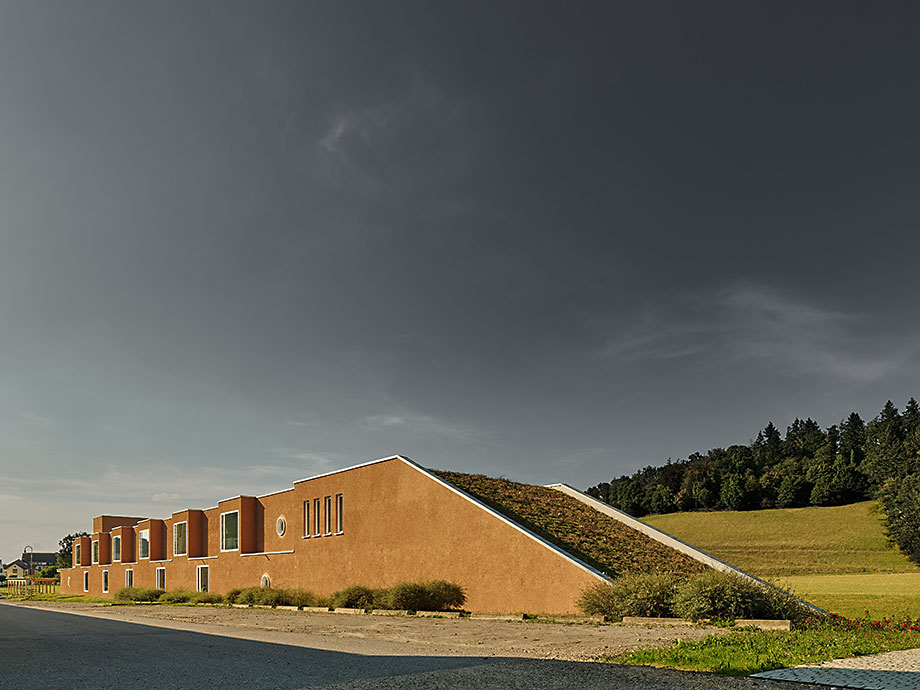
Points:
(399, 524)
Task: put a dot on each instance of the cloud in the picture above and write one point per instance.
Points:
(165, 497)
(414, 423)
(36, 419)
(754, 323)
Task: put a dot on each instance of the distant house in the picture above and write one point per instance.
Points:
(512, 547)
(17, 568)
(39, 560)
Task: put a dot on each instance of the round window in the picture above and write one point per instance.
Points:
(266, 581)
(280, 526)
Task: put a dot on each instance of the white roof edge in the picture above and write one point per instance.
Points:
(659, 536)
(475, 501)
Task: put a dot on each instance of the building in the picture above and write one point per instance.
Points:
(39, 560)
(17, 568)
(377, 524)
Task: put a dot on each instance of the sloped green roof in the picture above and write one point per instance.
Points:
(597, 539)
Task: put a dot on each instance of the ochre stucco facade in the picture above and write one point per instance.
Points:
(398, 523)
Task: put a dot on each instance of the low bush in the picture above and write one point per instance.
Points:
(136, 594)
(206, 598)
(176, 596)
(268, 596)
(638, 594)
(712, 594)
(438, 595)
(355, 597)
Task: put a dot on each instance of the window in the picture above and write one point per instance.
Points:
(76, 554)
(180, 539)
(265, 581)
(129, 578)
(280, 526)
(144, 546)
(229, 532)
(85, 580)
(306, 518)
(116, 548)
(202, 578)
(338, 513)
(327, 516)
(316, 518)
(96, 551)
(105, 580)
(161, 578)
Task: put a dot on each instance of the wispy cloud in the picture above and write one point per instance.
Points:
(36, 419)
(757, 324)
(415, 423)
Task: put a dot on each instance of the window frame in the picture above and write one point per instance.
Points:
(281, 526)
(339, 505)
(129, 575)
(143, 535)
(327, 516)
(78, 554)
(116, 540)
(105, 581)
(176, 538)
(95, 551)
(317, 518)
(207, 578)
(223, 536)
(160, 582)
(306, 519)
(85, 580)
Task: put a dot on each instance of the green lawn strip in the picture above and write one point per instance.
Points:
(897, 595)
(745, 652)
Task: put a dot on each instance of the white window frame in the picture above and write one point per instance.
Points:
(78, 554)
(95, 550)
(223, 535)
(176, 552)
(317, 518)
(116, 539)
(280, 526)
(339, 506)
(129, 577)
(198, 578)
(327, 516)
(160, 578)
(105, 581)
(85, 580)
(306, 519)
(143, 536)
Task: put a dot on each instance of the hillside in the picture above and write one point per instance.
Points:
(599, 540)
(792, 541)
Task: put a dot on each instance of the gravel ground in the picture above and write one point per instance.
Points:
(181, 647)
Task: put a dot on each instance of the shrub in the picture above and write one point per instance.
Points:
(138, 594)
(429, 596)
(637, 594)
(206, 598)
(176, 596)
(355, 597)
(446, 595)
(726, 596)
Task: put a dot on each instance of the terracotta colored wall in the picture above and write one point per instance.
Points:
(399, 525)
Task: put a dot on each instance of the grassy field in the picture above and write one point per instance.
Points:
(838, 558)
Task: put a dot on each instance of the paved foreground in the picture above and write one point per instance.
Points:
(898, 670)
(40, 648)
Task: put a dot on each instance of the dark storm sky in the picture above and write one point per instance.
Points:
(243, 243)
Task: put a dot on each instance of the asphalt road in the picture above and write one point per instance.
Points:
(50, 649)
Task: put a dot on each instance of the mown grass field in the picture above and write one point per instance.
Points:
(838, 557)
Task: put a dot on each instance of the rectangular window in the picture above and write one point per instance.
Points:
(180, 539)
(105, 580)
(327, 516)
(129, 578)
(161, 578)
(338, 513)
(306, 518)
(202, 578)
(144, 545)
(76, 554)
(85, 580)
(116, 548)
(316, 518)
(229, 533)
(95, 552)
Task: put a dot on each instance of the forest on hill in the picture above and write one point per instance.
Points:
(808, 466)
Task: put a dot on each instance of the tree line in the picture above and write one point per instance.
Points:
(808, 466)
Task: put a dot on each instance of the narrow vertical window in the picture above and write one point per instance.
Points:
(116, 548)
(338, 513)
(229, 532)
(105, 580)
(306, 518)
(202, 578)
(85, 580)
(144, 545)
(327, 516)
(161, 578)
(96, 551)
(129, 578)
(317, 524)
(180, 539)
(76, 555)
